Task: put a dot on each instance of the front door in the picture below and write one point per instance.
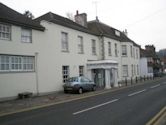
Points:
(99, 77)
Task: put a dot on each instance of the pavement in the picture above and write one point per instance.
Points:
(15, 106)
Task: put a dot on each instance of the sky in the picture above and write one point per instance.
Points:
(145, 20)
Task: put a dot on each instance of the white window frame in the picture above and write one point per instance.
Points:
(137, 69)
(64, 42)
(80, 45)
(109, 49)
(131, 51)
(5, 32)
(16, 63)
(93, 47)
(124, 50)
(26, 35)
(116, 49)
(81, 70)
(125, 70)
(65, 73)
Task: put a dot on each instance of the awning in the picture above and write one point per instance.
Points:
(102, 64)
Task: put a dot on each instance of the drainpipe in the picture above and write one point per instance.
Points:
(36, 71)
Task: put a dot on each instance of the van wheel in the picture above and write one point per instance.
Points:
(80, 90)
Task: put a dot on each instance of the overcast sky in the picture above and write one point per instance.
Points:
(145, 20)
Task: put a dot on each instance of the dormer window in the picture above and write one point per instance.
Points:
(117, 33)
(5, 32)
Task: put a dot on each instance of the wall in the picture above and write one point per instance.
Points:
(12, 83)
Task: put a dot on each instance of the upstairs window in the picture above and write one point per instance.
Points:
(131, 51)
(124, 50)
(116, 50)
(93, 47)
(5, 32)
(117, 33)
(26, 35)
(80, 45)
(109, 48)
(64, 42)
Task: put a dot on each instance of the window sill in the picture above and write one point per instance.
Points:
(65, 51)
(80, 52)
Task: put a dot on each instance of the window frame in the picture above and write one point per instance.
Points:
(80, 45)
(1, 32)
(65, 73)
(26, 36)
(64, 42)
(109, 49)
(125, 71)
(15, 63)
(81, 70)
(93, 44)
(124, 50)
(116, 50)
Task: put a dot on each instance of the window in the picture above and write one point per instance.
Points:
(64, 42)
(16, 63)
(4, 63)
(117, 33)
(26, 35)
(116, 50)
(80, 45)
(28, 63)
(124, 50)
(131, 51)
(5, 32)
(93, 47)
(137, 70)
(81, 70)
(109, 48)
(132, 70)
(65, 73)
(137, 53)
(125, 70)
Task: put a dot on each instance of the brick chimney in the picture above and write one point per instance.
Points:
(81, 18)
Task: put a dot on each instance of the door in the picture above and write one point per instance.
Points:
(99, 77)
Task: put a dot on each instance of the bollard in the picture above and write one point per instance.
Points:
(136, 80)
(131, 81)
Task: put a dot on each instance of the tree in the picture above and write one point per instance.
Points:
(28, 14)
(70, 16)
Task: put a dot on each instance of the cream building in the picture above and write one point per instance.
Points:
(40, 57)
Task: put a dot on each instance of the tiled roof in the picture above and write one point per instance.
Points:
(105, 30)
(8, 15)
(148, 53)
(54, 18)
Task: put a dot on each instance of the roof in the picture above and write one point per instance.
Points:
(8, 15)
(54, 18)
(105, 30)
(147, 53)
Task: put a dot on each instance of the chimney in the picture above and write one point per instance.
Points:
(125, 32)
(81, 18)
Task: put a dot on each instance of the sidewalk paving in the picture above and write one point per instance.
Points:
(19, 105)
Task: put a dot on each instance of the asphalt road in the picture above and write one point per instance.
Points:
(130, 106)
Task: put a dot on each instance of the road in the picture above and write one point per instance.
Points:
(130, 106)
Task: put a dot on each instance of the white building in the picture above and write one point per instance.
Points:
(39, 58)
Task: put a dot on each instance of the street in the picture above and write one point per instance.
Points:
(134, 105)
